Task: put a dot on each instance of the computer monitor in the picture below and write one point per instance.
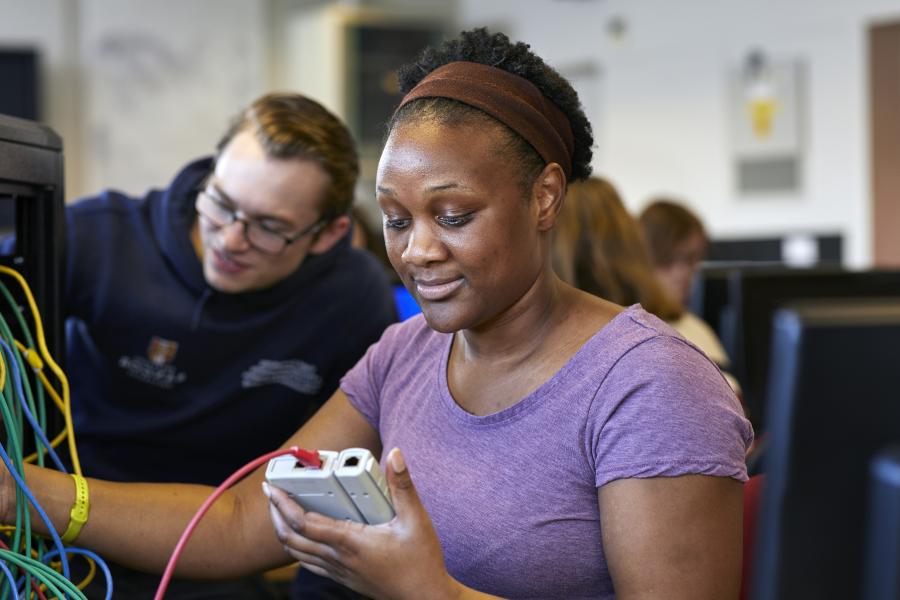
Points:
(20, 70)
(32, 206)
(404, 302)
(709, 295)
(755, 294)
(709, 298)
(882, 575)
(834, 402)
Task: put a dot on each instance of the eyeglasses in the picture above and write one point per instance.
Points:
(258, 235)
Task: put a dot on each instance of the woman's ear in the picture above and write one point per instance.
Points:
(330, 235)
(548, 191)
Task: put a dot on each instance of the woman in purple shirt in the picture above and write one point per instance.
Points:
(560, 445)
(544, 443)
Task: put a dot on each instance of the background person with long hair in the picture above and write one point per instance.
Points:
(599, 247)
(678, 243)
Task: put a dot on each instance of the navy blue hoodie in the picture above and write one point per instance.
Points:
(174, 381)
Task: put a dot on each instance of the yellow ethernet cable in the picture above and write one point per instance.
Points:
(35, 361)
(45, 354)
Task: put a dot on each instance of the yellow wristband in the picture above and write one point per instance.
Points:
(79, 514)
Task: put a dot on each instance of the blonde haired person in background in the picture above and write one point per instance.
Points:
(599, 247)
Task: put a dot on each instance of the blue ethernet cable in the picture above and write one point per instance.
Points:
(17, 381)
(40, 511)
(42, 575)
(96, 558)
(12, 580)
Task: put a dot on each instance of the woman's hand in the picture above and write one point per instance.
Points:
(398, 559)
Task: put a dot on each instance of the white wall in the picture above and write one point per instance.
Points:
(161, 80)
(662, 117)
(138, 87)
(135, 87)
(45, 26)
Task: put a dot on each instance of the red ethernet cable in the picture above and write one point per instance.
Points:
(309, 458)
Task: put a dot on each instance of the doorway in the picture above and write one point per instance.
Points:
(884, 94)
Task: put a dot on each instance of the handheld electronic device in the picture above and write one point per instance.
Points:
(348, 485)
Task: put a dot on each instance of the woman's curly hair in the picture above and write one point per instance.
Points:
(496, 49)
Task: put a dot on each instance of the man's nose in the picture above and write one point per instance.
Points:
(234, 236)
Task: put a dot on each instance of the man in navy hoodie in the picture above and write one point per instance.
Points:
(208, 320)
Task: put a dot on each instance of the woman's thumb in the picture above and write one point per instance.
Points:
(403, 493)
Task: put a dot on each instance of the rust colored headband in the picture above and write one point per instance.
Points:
(512, 100)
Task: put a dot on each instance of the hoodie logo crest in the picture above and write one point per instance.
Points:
(161, 352)
(156, 368)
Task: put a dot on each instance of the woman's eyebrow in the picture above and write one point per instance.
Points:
(431, 189)
(440, 187)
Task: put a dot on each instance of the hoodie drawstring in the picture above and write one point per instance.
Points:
(198, 310)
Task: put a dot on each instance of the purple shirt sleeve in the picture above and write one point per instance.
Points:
(667, 411)
(363, 383)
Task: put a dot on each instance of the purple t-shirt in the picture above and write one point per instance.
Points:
(513, 495)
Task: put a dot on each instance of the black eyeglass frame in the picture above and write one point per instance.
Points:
(203, 189)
